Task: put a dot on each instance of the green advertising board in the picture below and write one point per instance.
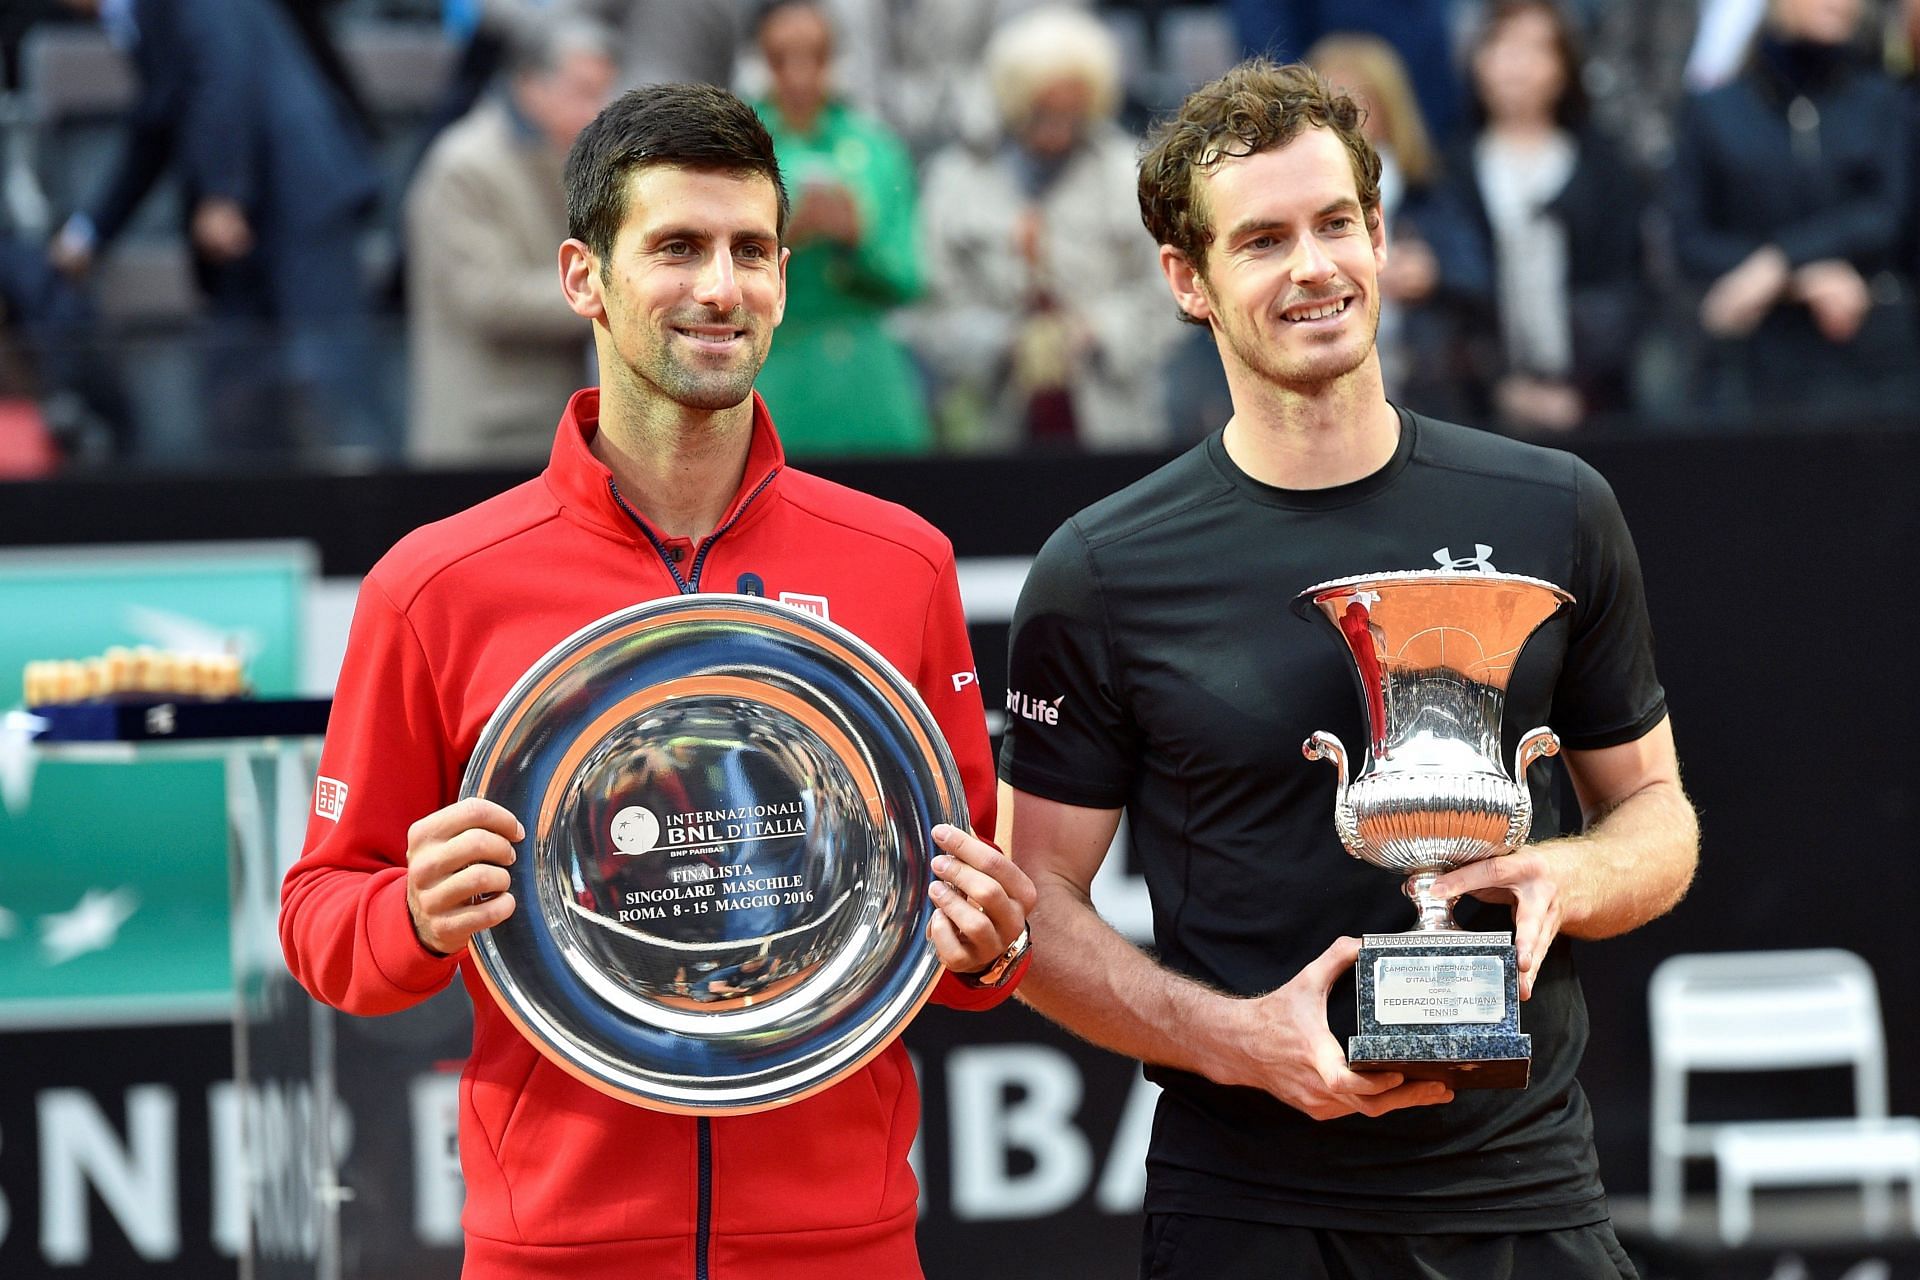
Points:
(113, 873)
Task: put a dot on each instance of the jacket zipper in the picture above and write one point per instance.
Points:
(690, 584)
(703, 1225)
(703, 1222)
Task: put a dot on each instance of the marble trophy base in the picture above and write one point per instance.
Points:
(1441, 1006)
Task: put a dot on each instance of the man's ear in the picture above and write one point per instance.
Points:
(580, 280)
(1183, 279)
(780, 307)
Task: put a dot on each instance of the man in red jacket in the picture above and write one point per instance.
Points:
(667, 479)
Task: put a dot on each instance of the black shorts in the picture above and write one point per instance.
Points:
(1181, 1246)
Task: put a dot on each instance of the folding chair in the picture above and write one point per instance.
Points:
(1774, 1011)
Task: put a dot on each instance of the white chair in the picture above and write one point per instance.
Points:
(1772, 1011)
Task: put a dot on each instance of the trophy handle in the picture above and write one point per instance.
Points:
(1537, 742)
(1533, 744)
(1324, 746)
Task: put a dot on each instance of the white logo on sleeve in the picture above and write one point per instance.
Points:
(1028, 707)
(961, 679)
(635, 830)
(329, 798)
(816, 605)
(1476, 563)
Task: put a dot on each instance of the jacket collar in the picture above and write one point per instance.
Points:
(583, 485)
(1787, 69)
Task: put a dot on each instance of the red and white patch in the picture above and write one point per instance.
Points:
(329, 798)
(816, 605)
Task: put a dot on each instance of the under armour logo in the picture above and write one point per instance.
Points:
(1477, 562)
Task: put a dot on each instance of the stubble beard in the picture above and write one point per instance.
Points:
(1307, 373)
(706, 389)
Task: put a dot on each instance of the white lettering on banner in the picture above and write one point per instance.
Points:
(78, 1149)
(1000, 1099)
(916, 1154)
(1040, 1123)
(1123, 1183)
(438, 1189)
(6, 1218)
(1871, 1269)
(226, 1137)
(261, 1144)
(281, 1130)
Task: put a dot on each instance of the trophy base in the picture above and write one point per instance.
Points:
(1441, 1006)
(1464, 1062)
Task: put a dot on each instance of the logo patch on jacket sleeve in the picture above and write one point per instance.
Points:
(329, 798)
(1038, 710)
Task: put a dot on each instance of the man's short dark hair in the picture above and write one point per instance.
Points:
(1255, 107)
(696, 126)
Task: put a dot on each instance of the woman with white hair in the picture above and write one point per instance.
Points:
(1047, 321)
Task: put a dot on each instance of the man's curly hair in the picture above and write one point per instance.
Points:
(1255, 107)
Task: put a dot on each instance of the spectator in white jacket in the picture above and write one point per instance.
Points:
(1047, 322)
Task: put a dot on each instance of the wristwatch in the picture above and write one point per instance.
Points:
(1001, 971)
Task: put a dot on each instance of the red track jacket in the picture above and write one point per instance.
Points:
(563, 1181)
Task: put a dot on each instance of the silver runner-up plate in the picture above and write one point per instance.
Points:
(721, 899)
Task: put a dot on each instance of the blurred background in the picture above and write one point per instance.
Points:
(278, 283)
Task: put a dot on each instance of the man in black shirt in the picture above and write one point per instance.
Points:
(1156, 670)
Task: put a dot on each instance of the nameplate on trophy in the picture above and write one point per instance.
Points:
(1429, 990)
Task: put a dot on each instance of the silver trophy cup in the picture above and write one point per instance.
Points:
(1433, 652)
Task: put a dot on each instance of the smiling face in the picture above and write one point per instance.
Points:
(1818, 21)
(686, 302)
(564, 99)
(1518, 69)
(798, 46)
(1057, 117)
(1289, 281)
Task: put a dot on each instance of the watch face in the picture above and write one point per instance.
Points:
(721, 899)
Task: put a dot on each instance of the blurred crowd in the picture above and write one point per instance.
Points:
(326, 230)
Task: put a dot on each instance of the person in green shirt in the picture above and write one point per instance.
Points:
(836, 380)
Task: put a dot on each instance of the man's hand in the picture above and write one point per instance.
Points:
(1411, 271)
(1290, 1052)
(220, 229)
(981, 898)
(1545, 403)
(457, 860)
(1837, 296)
(70, 260)
(826, 211)
(1029, 238)
(1740, 299)
(71, 249)
(1525, 880)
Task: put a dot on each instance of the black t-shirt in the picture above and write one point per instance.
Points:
(1156, 665)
